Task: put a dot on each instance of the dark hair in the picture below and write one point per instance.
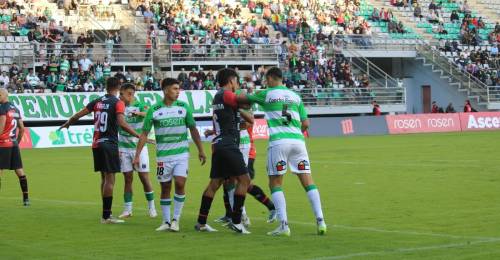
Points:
(275, 73)
(112, 83)
(127, 86)
(167, 82)
(225, 75)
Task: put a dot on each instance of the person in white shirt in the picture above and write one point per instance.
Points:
(33, 80)
(4, 79)
(88, 85)
(85, 64)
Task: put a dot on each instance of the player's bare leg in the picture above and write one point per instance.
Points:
(23, 182)
(313, 194)
(275, 184)
(179, 198)
(127, 194)
(148, 192)
(165, 202)
(206, 203)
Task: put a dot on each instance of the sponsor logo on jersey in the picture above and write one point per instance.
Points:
(281, 166)
(160, 164)
(303, 165)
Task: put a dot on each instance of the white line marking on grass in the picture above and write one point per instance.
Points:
(408, 250)
(455, 164)
(337, 226)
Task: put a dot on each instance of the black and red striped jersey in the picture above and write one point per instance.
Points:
(226, 120)
(105, 111)
(8, 137)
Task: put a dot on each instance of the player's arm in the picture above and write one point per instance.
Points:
(195, 135)
(140, 145)
(3, 120)
(138, 113)
(20, 134)
(85, 111)
(303, 117)
(248, 117)
(126, 127)
(209, 132)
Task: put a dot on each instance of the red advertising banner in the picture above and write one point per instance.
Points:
(423, 123)
(480, 121)
(260, 130)
(26, 140)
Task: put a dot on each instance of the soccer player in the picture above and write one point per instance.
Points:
(108, 116)
(135, 111)
(247, 148)
(11, 133)
(171, 119)
(227, 159)
(287, 119)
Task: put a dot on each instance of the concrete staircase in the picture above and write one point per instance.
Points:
(485, 10)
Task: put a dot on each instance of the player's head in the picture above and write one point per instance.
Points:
(113, 85)
(4, 96)
(274, 77)
(228, 78)
(127, 92)
(171, 89)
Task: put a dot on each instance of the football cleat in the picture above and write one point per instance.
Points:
(125, 214)
(164, 227)
(152, 213)
(223, 219)
(26, 202)
(112, 221)
(321, 227)
(245, 220)
(273, 215)
(174, 227)
(282, 230)
(239, 228)
(204, 228)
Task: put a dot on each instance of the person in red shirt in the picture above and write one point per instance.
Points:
(108, 117)
(11, 133)
(376, 109)
(468, 107)
(434, 108)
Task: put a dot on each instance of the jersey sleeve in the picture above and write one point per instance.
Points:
(90, 106)
(148, 121)
(229, 98)
(120, 107)
(302, 112)
(189, 117)
(259, 97)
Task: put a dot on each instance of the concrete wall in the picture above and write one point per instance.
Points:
(415, 75)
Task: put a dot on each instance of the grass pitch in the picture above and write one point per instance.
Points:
(434, 196)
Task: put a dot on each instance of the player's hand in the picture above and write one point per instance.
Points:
(65, 125)
(207, 133)
(202, 157)
(136, 162)
(151, 141)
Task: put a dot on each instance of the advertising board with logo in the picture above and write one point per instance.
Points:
(423, 123)
(480, 121)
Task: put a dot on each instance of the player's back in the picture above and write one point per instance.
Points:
(9, 134)
(226, 120)
(284, 112)
(105, 111)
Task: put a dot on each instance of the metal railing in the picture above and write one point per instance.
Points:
(364, 42)
(377, 76)
(228, 52)
(467, 81)
(352, 96)
(493, 94)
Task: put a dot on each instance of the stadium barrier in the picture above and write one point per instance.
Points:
(49, 137)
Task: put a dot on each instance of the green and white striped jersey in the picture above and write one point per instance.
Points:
(244, 139)
(284, 113)
(127, 142)
(170, 123)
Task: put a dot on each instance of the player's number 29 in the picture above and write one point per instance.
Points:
(102, 121)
